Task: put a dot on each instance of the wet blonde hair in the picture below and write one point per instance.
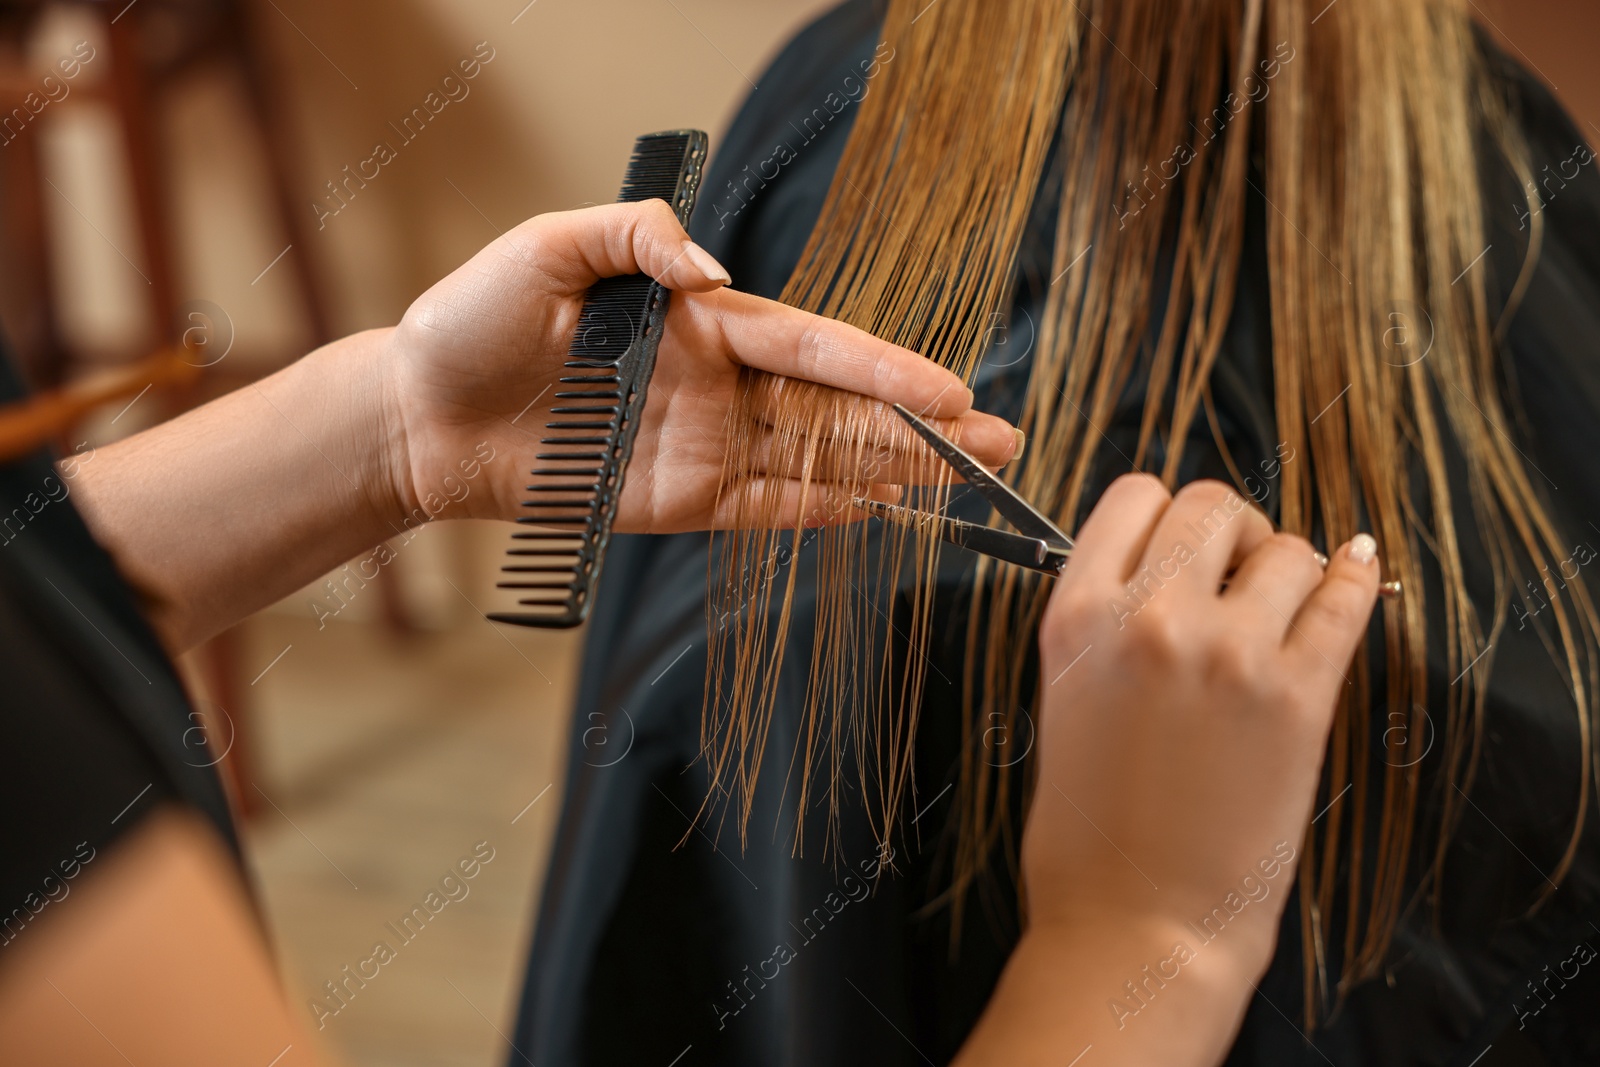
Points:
(1365, 117)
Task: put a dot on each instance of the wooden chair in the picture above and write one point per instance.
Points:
(149, 48)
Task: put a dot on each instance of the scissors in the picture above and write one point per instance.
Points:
(1039, 544)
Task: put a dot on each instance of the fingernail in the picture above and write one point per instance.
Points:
(1322, 561)
(1363, 549)
(1022, 443)
(707, 264)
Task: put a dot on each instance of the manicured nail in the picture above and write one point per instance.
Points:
(707, 264)
(1322, 561)
(1022, 443)
(1363, 549)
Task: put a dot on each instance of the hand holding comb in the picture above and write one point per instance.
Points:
(577, 480)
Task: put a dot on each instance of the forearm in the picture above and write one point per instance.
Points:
(236, 504)
(239, 503)
(1063, 993)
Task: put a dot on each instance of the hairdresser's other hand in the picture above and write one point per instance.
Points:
(475, 360)
(1181, 738)
(1183, 728)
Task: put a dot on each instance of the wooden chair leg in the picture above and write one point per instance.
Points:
(133, 101)
(38, 341)
(282, 165)
(295, 218)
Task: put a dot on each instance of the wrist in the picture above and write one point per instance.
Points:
(1155, 972)
(364, 441)
(1149, 951)
(394, 493)
(1124, 987)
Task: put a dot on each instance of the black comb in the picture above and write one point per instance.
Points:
(578, 480)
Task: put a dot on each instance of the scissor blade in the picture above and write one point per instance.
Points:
(1012, 507)
(1030, 552)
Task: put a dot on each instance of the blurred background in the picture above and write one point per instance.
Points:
(189, 178)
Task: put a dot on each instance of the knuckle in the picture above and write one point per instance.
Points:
(716, 304)
(885, 373)
(648, 214)
(530, 246)
(1141, 484)
(1291, 547)
(1155, 636)
(661, 222)
(1205, 491)
(1288, 542)
(1235, 664)
(1343, 603)
(811, 348)
(1068, 613)
(1054, 630)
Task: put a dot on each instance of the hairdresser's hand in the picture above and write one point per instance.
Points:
(1181, 737)
(476, 360)
(1183, 728)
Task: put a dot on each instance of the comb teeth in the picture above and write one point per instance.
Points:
(573, 492)
(661, 165)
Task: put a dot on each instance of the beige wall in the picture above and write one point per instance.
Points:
(547, 125)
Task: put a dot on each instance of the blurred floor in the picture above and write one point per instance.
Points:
(383, 761)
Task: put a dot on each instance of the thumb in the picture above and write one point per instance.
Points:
(580, 247)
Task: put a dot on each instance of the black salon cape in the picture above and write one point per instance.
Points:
(94, 724)
(653, 947)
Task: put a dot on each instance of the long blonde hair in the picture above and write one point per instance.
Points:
(1365, 119)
